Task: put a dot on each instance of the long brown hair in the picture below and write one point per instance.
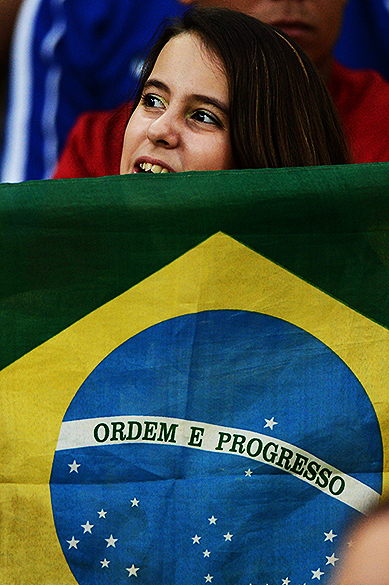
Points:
(281, 113)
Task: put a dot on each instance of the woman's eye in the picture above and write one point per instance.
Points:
(150, 100)
(206, 117)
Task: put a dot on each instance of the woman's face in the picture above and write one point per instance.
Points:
(182, 120)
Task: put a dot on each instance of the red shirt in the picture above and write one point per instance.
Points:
(94, 146)
(362, 99)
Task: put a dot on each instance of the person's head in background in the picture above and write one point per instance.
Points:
(313, 24)
(365, 556)
(221, 90)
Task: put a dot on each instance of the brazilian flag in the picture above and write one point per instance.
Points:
(194, 376)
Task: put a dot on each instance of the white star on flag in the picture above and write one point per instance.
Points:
(73, 543)
(134, 502)
(102, 513)
(87, 527)
(331, 560)
(132, 570)
(286, 581)
(206, 553)
(111, 541)
(317, 574)
(212, 520)
(74, 466)
(208, 578)
(196, 539)
(330, 536)
(270, 422)
(248, 473)
(228, 536)
(104, 563)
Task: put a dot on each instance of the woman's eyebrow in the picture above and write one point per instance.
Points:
(157, 84)
(206, 99)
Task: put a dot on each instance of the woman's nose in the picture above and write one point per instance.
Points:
(164, 131)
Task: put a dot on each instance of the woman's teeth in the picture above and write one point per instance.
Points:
(149, 168)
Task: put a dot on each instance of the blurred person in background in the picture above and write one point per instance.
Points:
(68, 57)
(8, 12)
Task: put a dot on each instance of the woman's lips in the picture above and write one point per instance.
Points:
(296, 29)
(148, 165)
(155, 169)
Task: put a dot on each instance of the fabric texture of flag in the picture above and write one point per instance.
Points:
(194, 384)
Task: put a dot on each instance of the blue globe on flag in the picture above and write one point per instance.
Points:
(224, 447)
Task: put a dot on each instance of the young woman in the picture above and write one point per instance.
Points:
(221, 90)
(262, 102)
